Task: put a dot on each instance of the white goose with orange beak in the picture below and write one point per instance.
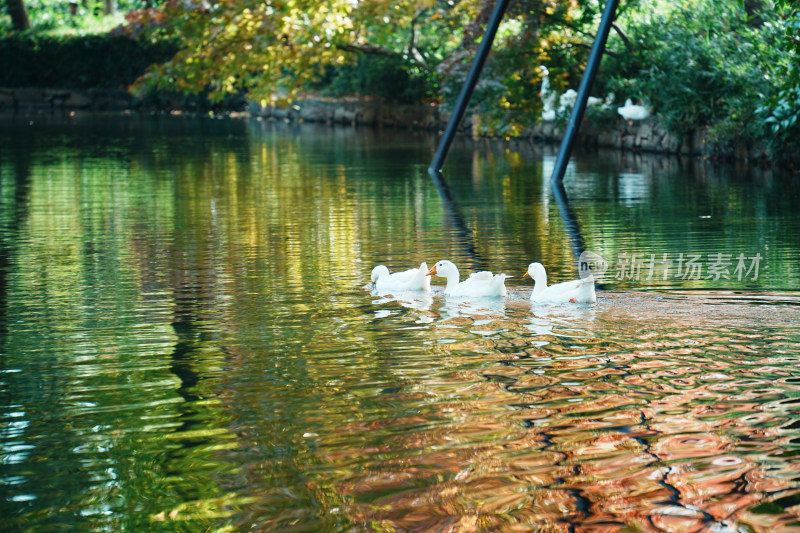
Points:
(477, 285)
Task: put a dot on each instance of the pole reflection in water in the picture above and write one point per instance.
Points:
(455, 218)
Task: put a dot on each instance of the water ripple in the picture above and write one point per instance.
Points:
(573, 421)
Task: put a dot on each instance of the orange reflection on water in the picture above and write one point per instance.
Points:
(574, 427)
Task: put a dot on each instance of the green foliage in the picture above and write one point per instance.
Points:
(701, 64)
(781, 110)
(385, 77)
(555, 34)
(274, 51)
(56, 16)
(91, 61)
(415, 49)
(781, 114)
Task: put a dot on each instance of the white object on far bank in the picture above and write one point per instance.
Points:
(631, 111)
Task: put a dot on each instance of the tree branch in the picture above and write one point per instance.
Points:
(413, 51)
(625, 40)
(606, 51)
(366, 49)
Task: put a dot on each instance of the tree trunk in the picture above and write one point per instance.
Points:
(753, 8)
(19, 15)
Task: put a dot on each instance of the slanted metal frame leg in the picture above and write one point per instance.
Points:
(468, 87)
(575, 118)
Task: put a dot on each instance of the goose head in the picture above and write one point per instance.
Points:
(536, 272)
(378, 272)
(444, 269)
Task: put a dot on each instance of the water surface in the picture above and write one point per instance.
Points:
(187, 343)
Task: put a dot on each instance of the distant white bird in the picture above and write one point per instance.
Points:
(633, 112)
(414, 279)
(608, 103)
(567, 101)
(577, 291)
(477, 285)
(548, 97)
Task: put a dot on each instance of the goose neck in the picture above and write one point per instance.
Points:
(539, 282)
(452, 277)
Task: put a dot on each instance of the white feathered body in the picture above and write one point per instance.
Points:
(482, 284)
(413, 279)
(576, 291)
(630, 111)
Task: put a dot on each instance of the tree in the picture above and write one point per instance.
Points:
(274, 50)
(109, 7)
(753, 8)
(19, 15)
(697, 63)
(781, 111)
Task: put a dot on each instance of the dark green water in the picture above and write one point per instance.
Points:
(186, 343)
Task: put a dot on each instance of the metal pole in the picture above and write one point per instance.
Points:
(583, 91)
(469, 86)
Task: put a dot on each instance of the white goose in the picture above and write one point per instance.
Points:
(548, 96)
(477, 285)
(577, 291)
(414, 279)
(630, 111)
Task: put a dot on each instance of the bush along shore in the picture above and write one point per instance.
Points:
(720, 78)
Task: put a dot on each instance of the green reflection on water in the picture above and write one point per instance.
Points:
(185, 341)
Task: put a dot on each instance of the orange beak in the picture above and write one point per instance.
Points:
(526, 275)
(432, 271)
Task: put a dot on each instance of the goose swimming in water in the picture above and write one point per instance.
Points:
(577, 291)
(414, 279)
(477, 285)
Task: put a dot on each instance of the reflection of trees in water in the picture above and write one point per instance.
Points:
(621, 202)
(14, 200)
(332, 407)
(87, 252)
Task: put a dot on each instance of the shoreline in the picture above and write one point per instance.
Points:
(644, 136)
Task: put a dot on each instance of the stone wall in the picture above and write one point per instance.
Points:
(637, 136)
(355, 113)
(64, 100)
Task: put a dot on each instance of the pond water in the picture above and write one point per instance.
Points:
(188, 342)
